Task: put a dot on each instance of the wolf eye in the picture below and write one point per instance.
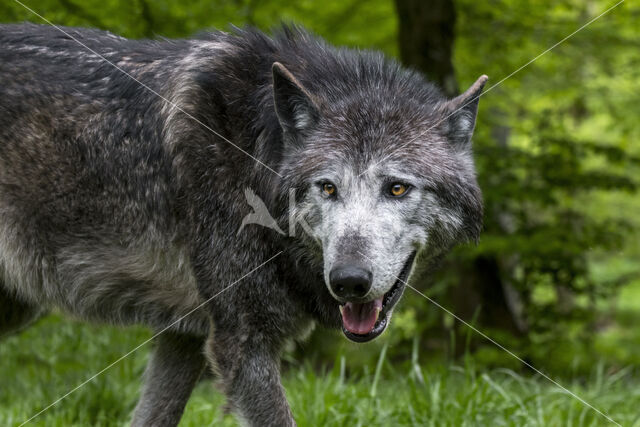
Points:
(329, 189)
(398, 190)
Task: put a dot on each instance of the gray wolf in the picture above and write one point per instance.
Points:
(121, 199)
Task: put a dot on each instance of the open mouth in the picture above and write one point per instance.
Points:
(362, 322)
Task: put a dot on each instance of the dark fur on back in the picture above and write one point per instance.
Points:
(118, 207)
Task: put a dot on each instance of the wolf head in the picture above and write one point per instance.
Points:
(382, 167)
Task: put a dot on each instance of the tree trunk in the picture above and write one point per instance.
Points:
(426, 36)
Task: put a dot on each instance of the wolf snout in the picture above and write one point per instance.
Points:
(350, 282)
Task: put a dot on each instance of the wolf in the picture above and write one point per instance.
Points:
(124, 166)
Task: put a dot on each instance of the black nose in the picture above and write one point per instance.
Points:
(350, 281)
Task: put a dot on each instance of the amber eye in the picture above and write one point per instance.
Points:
(329, 189)
(398, 190)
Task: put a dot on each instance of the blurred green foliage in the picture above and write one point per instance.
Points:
(556, 148)
(558, 161)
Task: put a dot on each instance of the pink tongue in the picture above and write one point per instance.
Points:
(360, 318)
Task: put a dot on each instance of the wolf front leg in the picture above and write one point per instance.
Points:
(250, 372)
(173, 371)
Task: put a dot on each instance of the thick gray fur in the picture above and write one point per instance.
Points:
(174, 369)
(117, 207)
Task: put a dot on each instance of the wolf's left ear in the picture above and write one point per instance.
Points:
(295, 107)
(461, 112)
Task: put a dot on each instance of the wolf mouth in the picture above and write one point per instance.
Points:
(383, 306)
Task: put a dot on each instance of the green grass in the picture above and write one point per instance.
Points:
(53, 357)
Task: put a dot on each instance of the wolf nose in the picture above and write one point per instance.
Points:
(350, 282)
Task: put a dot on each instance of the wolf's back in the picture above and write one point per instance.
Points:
(87, 200)
(80, 136)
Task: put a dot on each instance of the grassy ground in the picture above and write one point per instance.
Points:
(48, 360)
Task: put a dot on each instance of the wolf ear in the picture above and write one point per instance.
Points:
(461, 112)
(294, 106)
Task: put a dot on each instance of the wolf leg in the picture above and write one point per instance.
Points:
(172, 373)
(16, 314)
(251, 379)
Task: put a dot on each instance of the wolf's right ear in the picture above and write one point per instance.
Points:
(294, 106)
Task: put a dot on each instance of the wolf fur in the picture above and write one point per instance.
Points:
(123, 170)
